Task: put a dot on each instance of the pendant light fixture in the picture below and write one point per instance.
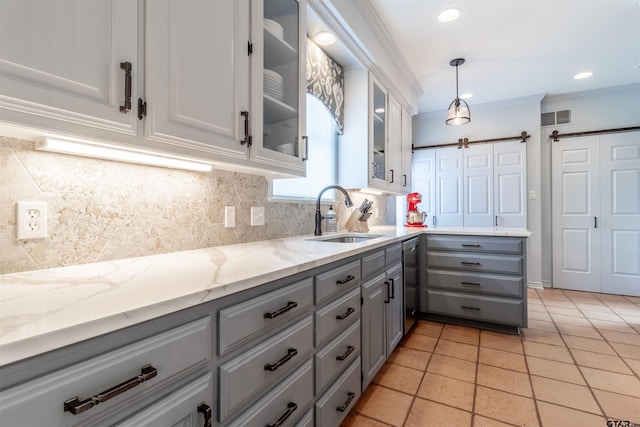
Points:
(458, 113)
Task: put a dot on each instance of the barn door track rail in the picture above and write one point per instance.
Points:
(555, 135)
(464, 142)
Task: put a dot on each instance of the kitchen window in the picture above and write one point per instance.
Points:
(322, 163)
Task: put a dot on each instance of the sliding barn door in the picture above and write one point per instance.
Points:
(575, 206)
(620, 223)
(596, 213)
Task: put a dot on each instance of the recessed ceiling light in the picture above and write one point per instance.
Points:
(324, 38)
(584, 75)
(466, 95)
(449, 15)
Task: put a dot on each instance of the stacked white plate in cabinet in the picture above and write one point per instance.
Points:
(273, 85)
(274, 28)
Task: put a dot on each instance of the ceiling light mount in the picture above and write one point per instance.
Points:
(458, 112)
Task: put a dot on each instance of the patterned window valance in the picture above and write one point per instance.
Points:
(325, 81)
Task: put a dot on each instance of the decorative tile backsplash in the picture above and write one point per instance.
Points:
(101, 210)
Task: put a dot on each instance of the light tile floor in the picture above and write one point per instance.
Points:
(578, 364)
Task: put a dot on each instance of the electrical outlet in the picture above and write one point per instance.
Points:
(532, 194)
(31, 220)
(257, 216)
(229, 216)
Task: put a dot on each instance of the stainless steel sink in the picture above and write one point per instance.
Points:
(346, 238)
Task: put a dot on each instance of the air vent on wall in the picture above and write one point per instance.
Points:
(562, 117)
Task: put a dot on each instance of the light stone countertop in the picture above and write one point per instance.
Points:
(47, 309)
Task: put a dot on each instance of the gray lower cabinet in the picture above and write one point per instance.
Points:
(382, 309)
(476, 279)
(294, 352)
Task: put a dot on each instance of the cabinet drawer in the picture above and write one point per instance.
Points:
(241, 322)
(337, 315)
(306, 420)
(262, 365)
(179, 408)
(291, 397)
(476, 282)
(335, 404)
(173, 354)
(337, 279)
(504, 245)
(393, 254)
(476, 262)
(372, 264)
(477, 307)
(337, 355)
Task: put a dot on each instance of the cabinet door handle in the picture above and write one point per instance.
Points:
(272, 315)
(206, 412)
(247, 138)
(126, 107)
(77, 406)
(470, 283)
(404, 180)
(375, 169)
(386, 301)
(346, 314)
(466, 307)
(347, 402)
(393, 288)
(595, 222)
(350, 350)
(469, 245)
(345, 280)
(470, 263)
(272, 367)
(306, 148)
(291, 407)
(391, 182)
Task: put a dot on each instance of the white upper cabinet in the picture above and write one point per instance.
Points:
(197, 78)
(369, 148)
(278, 77)
(69, 65)
(407, 152)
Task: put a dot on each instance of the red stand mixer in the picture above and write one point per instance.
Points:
(415, 218)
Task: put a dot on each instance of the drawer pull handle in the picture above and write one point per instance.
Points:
(470, 283)
(470, 263)
(77, 406)
(469, 245)
(466, 307)
(347, 313)
(291, 407)
(126, 106)
(346, 404)
(206, 411)
(346, 280)
(290, 305)
(350, 350)
(290, 353)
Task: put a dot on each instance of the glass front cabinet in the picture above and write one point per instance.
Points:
(278, 85)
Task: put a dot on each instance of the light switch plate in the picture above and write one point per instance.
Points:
(229, 216)
(257, 215)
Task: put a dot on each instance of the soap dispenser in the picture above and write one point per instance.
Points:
(331, 220)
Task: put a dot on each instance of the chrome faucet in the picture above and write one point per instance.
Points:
(347, 202)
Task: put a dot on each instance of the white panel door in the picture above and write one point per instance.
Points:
(423, 180)
(576, 204)
(60, 62)
(449, 183)
(197, 75)
(478, 186)
(509, 183)
(619, 223)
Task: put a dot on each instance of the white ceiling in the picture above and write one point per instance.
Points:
(515, 48)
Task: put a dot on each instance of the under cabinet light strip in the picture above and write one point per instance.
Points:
(112, 152)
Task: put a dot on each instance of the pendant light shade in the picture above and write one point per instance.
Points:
(458, 112)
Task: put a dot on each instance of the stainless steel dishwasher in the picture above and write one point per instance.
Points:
(410, 274)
